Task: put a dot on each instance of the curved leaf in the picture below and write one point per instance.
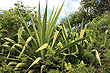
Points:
(42, 47)
(36, 61)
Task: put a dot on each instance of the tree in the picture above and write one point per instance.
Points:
(95, 7)
(10, 20)
(88, 10)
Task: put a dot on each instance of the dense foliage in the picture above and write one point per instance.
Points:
(41, 46)
(10, 20)
(88, 10)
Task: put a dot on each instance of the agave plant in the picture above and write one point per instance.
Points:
(39, 41)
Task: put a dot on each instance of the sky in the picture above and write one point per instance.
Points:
(69, 5)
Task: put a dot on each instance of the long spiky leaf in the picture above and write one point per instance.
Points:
(27, 41)
(27, 28)
(54, 22)
(35, 30)
(44, 25)
(39, 24)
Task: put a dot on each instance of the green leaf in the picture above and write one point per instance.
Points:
(82, 33)
(27, 41)
(53, 23)
(81, 65)
(70, 29)
(64, 35)
(20, 34)
(19, 65)
(65, 31)
(12, 63)
(39, 24)
(48, 25)
(65, 54)
(42, 47)
(36, 61)
(26, 26)
(86, 41)
(5, 44)
(54, 38)
(35, 30)
(71, 43)
(44, 26)
(60, 44)
(77, 50)
(18, 45)
(13, 59)
(10, 40)
(31, 71)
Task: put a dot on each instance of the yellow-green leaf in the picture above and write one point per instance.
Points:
(60, 44)
(20, 65)
(36, 61)
(54, 38)
(82, 33)
(31, 71)
(97, 56)
(27, 41)
(20, 33)
(42, 47)
(10, 40)
(12, 63)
